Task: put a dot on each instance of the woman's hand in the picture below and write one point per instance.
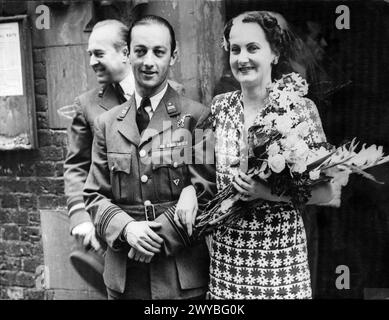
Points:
(246, 186)
(186, 209)
(251, 189)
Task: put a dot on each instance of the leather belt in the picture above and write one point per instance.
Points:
(148, 211)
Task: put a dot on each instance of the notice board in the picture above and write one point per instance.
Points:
(17, 100)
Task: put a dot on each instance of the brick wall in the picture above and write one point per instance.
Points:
(32, 180)
(29, 181)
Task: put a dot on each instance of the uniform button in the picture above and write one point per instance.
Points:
(147, 203)
(175, 164)
(142, 153)
(144, 178)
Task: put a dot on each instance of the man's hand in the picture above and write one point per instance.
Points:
(186, 208)
(138, 256)
(143, 239)
(85, 233)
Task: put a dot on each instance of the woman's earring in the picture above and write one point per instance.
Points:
(275, 61)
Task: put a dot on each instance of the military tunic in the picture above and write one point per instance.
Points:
(129, 169)
(78, 160)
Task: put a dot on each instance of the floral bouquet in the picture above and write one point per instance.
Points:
(285, 155)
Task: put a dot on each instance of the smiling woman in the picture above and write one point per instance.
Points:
(262, 254)
(251, 56)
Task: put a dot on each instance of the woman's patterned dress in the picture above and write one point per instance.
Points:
(264, 255)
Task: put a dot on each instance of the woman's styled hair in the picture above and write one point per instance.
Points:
(280, 37)
(152, 19)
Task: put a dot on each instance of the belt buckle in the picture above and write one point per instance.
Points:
(149, 211)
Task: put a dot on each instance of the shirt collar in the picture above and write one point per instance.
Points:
(155, 100)
(128, 84)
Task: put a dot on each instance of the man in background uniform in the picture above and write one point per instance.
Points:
(108, 53)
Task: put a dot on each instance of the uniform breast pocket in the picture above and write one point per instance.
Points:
(120, 169)
(169, 180)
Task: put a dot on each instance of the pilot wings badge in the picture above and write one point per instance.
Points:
(181, 122)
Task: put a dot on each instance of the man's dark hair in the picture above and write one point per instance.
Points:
(152, 19)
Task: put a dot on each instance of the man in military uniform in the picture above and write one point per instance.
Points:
(137, 173)
(108, 52)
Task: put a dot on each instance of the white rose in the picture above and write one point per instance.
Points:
(314, 174)
(290, 142)
(292, 157)
(276, 163)
(302, 129)
(273, 149)
(301, 148)
(287, 155)
(284, 124)
(299, 167)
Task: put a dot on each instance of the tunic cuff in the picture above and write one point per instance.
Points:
(77, 212)
(112, 225)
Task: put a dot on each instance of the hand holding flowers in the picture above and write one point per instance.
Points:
(253, 188)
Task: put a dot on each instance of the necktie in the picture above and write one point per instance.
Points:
(142, 117)
(120, 93)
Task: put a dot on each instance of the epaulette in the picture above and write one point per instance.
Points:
(172, 110)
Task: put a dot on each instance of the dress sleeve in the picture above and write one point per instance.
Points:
(309, 114)
(202, 170)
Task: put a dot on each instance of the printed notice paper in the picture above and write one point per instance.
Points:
(11, 80)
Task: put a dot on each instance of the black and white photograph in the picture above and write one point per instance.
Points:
(194, 151)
